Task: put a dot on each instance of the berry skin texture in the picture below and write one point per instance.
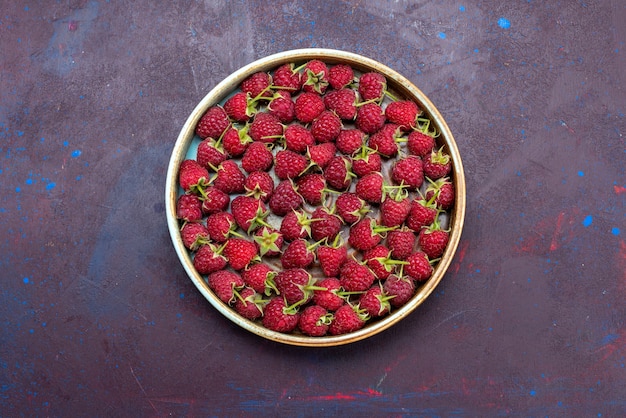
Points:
(378, 259)
(342, 103)
(384, 140)
(194, 235)
(315, 78)
(192, 177)
(366, 162)
(289, 164)
(297, 255)
(295, 285)
(370, 188)
(249, 213)
(266, 127)
(442, 190)
(286, 77)
(331, 259)
(277, 316)
(229, 178)
(329, 294)
(210, 153)
(421, 215)
(314, 321)
(308, 106)
(282, 107)
(372, 86)
(298, 138)
(208, 260)
(337, 173)
(240, 253)
(349, 141)
(401, 243)
(419, 267)
(347, 319)
(326, 127)
(257, 84)
(295, 225)
(356, 277)
(365, 234)
(285, 198)
(326, 226)
(312, 187)
(189, 208)
(257, 157)
(370, 118)
(260, 185)
(409, 171)
(259, 276)
(403, 113)
(215, 200)
(437, 164)
(249, 304)
(394, 212)
(433, 242)
(219, 226)
(350, 207)
(400, 288)
(322, 154)
(235, 142)
(225, 284)
(420, 144)
(340, 76)
(375, 302)
(213, 123)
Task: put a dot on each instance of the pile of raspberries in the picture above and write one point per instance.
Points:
(317, 201)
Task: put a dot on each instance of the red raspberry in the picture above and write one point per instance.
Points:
(370, 118)
(322, 154)
(225, 284)
(193, 177)
(401, 243)
(257, 157)
(356, 277)
(278, 317)
(240, 253)
(400, 289)
(419, 267)
(249, 304)
(285, 198)
(375, 302)
(235, 142)
(312, 187)
(370, 188)
(337, 172)
(437, 164)
(239, 107)
(189, 208)
(208, 259)
(259, 277)
(220, 226)
(295, 285)
(350, 207)
(295, 225)
(308, 107)
(269, 241)
(289, 164)
(342, 102)
(350, 141)
(372, 86)
(282, 107)
(249, 213)
(433, 241)
(193, 235)
(366, 161)
(326, 127)
(379, 260)
(266, 128)
(286, 76)
(420, 144)
(408, 171)
(403, 113)
(229, 178)
(385, 141)
(329, 294)
(315, 77)
(422, 214)
(314, 321)
(257, 85)
(210, 153)
(340, 76)
(394, 209)
(260, 185)
(298, 138)
(366, 234)
(442, 190)
(326, 226)
(214, 200)
(213, 123)
(331, 258)
(347, 319)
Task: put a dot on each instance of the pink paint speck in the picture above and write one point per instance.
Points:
(72, 25)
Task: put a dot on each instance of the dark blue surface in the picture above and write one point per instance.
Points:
(99, 318)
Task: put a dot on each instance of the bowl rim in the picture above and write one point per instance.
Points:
(407, 89)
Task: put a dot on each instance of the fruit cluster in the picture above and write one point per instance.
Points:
(317, 201)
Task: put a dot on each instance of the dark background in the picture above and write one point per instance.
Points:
(99, 317)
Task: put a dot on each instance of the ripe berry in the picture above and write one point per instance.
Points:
(403, 113)
(308, 107)
(266, 128)
(337, 173)
(437, 164)
(408, 171)
(340, 76)
(350, 207)
(225, 284)
(348, 319)
(315, 77)
(285, 198)
(257, 157)
(298, 138)
(208, 259)
(401, 243)
(278, 317)
(420, 144)
(240, 253)
(257, 84)
(419, 267)
(372, 86)
(229, 178)
(189, 208)
(213, 123)
(326, 127)
(370, 118)
(349, 141)
(400, 289)
(342, 102)
(314, 321)
(355, 276)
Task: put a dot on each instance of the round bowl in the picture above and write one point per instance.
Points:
(401, 88)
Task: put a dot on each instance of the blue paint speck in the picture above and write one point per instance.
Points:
(51, 186)
(29, 181)
(615, 231)
(461, 8)
(581, 173)
(442, 35)
(609, 339)
(65, 143)
(587, 221)
(76, 153)
(533, 392)
(17, 190)
(26, 280)
(504, 23)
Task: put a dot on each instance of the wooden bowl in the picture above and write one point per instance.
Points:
(400, 88)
